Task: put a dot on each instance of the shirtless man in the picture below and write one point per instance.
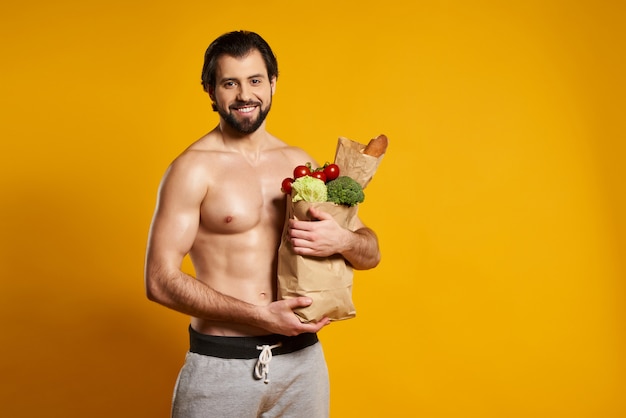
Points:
(220, 202)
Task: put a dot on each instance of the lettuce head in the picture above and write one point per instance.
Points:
(309, 189)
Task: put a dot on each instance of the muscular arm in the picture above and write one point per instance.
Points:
(325, 237)
(172, 234)
(361, 249)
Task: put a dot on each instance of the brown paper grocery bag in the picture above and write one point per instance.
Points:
(328, 280)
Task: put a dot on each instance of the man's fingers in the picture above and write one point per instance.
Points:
(319, 214)
(300, 225)
(316, 326)
(299, 302)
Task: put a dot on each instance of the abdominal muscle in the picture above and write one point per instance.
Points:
(241, 265)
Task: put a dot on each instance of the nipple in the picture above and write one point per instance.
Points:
(228, 219)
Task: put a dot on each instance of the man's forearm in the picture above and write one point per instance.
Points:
(185, 294)
(362, 250)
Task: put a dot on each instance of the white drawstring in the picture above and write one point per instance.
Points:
(262, 368)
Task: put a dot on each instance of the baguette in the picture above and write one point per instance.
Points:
(377, 146)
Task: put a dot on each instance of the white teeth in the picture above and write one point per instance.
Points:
(246, 109)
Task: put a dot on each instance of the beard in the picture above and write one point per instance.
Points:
(246, 125)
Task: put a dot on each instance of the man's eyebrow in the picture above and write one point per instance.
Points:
(225, 79)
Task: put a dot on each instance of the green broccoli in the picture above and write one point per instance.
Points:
(345, 190)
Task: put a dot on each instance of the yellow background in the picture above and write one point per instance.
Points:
(500, 205)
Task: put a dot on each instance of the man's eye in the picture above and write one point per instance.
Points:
(230, 84)
(255, 81)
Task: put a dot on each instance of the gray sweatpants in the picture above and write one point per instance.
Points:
(210, 387)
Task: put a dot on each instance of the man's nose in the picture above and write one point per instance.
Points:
(244, 93)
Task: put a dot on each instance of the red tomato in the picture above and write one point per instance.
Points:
(331, 171)
(319, 175)
(286, 185)
(301, 171)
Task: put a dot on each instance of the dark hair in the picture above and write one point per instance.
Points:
(236, 44)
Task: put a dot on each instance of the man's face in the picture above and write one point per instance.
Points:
(243, 92)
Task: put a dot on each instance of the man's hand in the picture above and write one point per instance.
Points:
(279, 317)
(325, 237)
(320, 238)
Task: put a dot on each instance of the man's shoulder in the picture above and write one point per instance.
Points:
(190, 159)
(291, 152)
(209, 142)
(198, 152)
(193, 162)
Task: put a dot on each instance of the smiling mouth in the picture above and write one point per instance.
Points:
(246, 109)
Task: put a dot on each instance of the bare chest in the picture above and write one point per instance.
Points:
(240, 198)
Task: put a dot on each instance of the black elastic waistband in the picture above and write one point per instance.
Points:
(246, 347)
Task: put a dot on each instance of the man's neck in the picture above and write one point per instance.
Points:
(249, 145)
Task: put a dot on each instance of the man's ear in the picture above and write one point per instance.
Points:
(273, 85)
(211, 91)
